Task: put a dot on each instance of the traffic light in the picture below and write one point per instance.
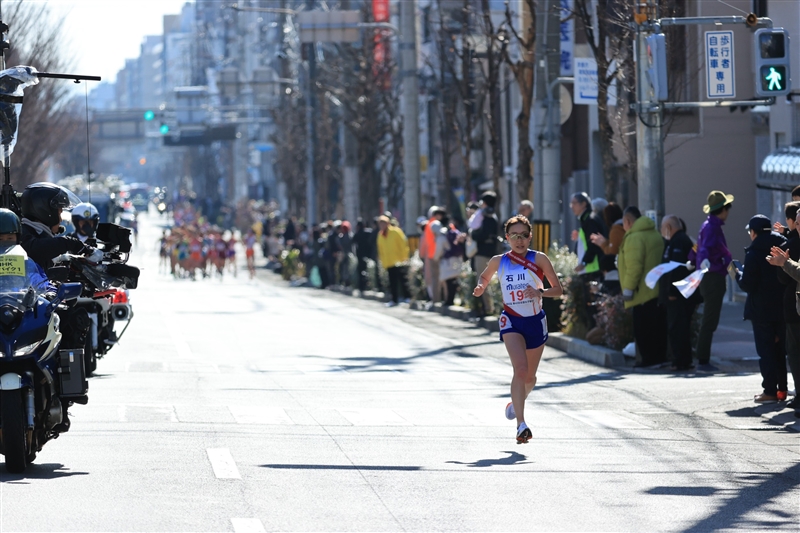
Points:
(657, 66)
(149, 115)
(164, 129)
(771, 50)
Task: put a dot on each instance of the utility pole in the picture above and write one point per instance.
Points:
(311, 130)
(408, 73)
(547, 178)
(352, 207)
(649, 145)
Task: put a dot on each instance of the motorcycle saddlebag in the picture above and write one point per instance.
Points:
(71, 373)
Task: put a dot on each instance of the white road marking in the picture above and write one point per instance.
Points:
(222, 463)
(247, 525)
(604, 419)
(373, 417)
(246, 414)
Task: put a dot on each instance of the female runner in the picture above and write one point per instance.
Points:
(523, 325)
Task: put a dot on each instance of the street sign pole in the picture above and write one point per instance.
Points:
(408, 74)
(649, 144)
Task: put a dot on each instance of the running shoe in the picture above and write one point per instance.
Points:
(510, 413)
(523, 433)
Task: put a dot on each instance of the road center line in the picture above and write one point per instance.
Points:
(247, 525)
(223, 464)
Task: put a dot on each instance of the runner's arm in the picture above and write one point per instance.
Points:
(486, 276)
(555, 290)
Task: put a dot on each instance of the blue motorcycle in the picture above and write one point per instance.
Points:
(38, 379)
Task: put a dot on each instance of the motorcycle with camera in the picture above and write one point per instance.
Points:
(38, 379)
(105, 290)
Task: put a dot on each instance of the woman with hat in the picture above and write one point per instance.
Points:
(712, 254)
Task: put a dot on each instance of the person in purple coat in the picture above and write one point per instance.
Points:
(713, 254)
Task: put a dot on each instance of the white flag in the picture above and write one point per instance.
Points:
(689, 284)
(653, 276)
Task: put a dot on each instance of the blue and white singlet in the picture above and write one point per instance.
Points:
(514, 278)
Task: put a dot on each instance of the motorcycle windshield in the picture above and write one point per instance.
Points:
(13, 81)
(18, 273)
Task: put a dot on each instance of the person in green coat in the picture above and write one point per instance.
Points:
(641, 251)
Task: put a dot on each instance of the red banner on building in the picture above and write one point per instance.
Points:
(380, 10)
(380, 52)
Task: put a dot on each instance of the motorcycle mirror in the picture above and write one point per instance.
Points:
(58, 273)
(69, 291)
(30, 298)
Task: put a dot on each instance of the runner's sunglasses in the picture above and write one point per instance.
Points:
(520, 236)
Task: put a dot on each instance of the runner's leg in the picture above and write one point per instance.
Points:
(515, 346)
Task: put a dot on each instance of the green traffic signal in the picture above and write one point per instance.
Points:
(164, 129)
(149, 115)
(773, 78)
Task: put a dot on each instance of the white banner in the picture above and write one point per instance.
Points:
(653, 276)
(689, 284)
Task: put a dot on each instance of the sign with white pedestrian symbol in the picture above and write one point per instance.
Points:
(720, 76)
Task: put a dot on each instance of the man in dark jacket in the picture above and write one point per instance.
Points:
(486, 238)
(679, 309)
(790, 315)
(764, 307)
(364, 242)
(589, 254)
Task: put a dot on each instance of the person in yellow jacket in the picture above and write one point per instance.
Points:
(641, 251)
(393, 254)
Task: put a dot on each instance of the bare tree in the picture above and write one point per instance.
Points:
(523, 74)
(496, 48)
(610, 36)
(47, 120)
(364, 88)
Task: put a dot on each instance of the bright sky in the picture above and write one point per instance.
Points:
(104, 33)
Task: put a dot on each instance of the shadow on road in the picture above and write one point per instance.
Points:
(342, 467)
(513, 458)
(39, 471)
(682, 491)
(398, 364)
(763, 488)
(605, 376)
(743, 412)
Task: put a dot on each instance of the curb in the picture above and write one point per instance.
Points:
(578, 348)
(581, 349)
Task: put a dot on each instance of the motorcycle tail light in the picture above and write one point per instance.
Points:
(120, 297)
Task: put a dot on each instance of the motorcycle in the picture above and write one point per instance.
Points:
(38, 379)
(105, 291)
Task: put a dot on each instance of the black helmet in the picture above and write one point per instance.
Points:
(41, 202)
(85, 218)
(9, 223)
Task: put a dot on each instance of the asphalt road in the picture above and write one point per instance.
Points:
(247, 405)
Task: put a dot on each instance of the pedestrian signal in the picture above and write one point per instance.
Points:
(773, 77)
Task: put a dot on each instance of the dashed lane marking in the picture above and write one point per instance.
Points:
(247, 525)
(223, 464)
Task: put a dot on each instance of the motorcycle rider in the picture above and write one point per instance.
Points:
(10, 228)
(85, 218)
(42, 204)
